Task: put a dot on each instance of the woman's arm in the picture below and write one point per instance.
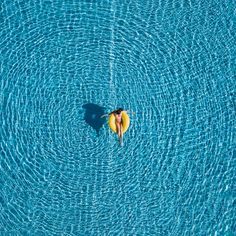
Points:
(107, 114)
(130, 112)
(104, 115)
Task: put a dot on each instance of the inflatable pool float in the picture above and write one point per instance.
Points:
(125, 122)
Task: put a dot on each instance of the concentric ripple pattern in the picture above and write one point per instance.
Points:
(64, 64)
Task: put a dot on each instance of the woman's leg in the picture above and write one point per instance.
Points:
(121, 136)
(119, 131)
(118, 128)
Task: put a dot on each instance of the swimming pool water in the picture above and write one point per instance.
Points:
(63, 64)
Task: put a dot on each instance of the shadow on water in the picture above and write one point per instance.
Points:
(93, 115)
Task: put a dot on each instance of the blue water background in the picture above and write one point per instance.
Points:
(65, 63)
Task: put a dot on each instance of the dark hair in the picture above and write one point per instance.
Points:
(119, 110)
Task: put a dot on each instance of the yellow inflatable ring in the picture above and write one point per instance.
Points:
(125, 122)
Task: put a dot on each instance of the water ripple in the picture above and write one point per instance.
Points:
(172, 63)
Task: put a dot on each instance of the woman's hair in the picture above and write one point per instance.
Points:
(118, 111)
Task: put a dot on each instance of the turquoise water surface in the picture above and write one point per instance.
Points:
(65, 63)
